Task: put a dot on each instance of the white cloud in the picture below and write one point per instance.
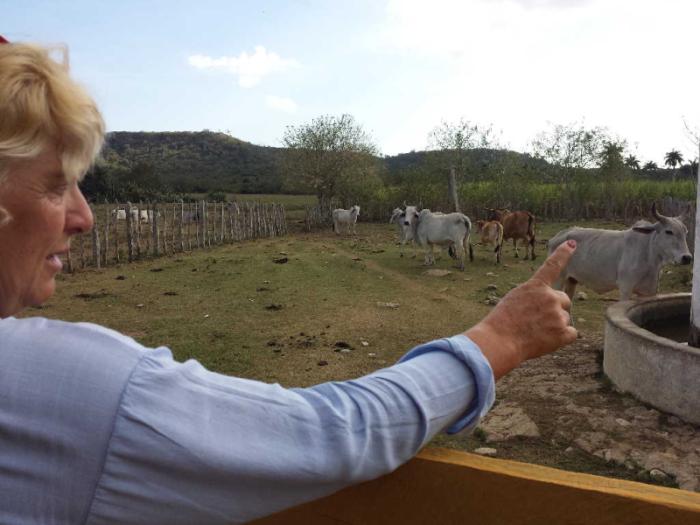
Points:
(281, 103)
(520, 63)
(249, 68)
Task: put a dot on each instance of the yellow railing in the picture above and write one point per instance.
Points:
(443, 486)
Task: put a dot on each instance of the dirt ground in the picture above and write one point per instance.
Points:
(238, 312)
(561, 411)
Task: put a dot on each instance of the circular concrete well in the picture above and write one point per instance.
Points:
(646, 354)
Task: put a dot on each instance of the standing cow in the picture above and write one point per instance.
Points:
(405, 221)
(346, 218)
(516, 225)
(630, 260)
(451, 230)
(491, 234)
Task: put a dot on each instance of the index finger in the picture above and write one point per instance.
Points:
(555, 263)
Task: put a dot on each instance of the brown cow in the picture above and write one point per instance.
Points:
(491, 233)
(516, 225)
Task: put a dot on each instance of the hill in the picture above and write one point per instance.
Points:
(196, 161)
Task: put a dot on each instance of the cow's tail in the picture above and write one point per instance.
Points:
(531, 234)
(499, 237)
(467, 243)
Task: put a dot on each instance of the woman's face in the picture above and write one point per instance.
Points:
(45, 212)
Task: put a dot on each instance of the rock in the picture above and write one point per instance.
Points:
(569, 450)
(280, 260)
(581, 296)
(486, 451)
(580, 320)
(364, 343)
(140, 305)
(437, 273)
(658, 475)
(371, 354)
(490, 274)
(507, 421)
(388, 305)
(590, 441)
(491, 287)
(120, 277)
(273, 306)
(622, 422)
(322, 363)
(343, 344)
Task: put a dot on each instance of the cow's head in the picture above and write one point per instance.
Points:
(669, 237)
(496, 214)
(356, 210)
(410, 216)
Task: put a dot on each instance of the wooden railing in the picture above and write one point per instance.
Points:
(444, 487)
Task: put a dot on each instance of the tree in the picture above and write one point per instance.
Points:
(326, 154)
(632, 162)
(455, 140)
(672, 159)
(650, 166)
(612, 164)
(570, 147)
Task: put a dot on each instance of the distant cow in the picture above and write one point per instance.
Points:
(136, 214)
(452, 229)
(630, 260)
(491, 234)
(516, 225)
(346, 218)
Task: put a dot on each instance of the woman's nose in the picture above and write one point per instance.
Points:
(79, 215)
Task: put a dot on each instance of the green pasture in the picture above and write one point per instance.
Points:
(306, 308)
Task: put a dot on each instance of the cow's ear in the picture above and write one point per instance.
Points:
(644, 229)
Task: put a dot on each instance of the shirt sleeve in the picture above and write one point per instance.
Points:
(192, 446)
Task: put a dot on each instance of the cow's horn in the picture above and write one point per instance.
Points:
(656, 214)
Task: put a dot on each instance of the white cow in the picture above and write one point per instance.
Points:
(136, 214)
(451, 230)
(630, 260)
(405, 221)
(346, 218)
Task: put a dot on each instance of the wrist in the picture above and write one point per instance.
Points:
(500, 351)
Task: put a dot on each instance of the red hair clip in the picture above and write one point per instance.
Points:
(3, 40)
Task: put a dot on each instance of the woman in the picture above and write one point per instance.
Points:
(95, 428)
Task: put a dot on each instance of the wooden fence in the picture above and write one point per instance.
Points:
(445, 487)
(152, 230)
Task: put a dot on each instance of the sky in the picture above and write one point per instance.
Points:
(400, 67)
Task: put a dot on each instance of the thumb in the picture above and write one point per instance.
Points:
(549, 272)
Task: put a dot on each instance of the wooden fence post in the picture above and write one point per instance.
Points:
(129, 232)
(95, 241)
(154, 232)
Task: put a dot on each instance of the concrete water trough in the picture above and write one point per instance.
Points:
(647, 356)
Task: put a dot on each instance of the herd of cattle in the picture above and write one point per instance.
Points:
(629, 260)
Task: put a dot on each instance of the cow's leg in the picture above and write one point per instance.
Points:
(570, 286)
(532, 247)
(335, 228)
(498, 253)
(515, 246)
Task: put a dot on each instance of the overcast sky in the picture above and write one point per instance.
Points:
(251, 68)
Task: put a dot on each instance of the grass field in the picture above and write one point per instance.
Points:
(240, 310)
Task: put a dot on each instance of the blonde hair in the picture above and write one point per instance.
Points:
(40, 105)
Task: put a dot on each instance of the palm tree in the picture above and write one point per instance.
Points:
(672, 159)
(632, 162)
(650, 166)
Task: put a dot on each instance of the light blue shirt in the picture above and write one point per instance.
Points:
(96, 429)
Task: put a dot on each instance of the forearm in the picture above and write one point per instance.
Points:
(205, 446)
